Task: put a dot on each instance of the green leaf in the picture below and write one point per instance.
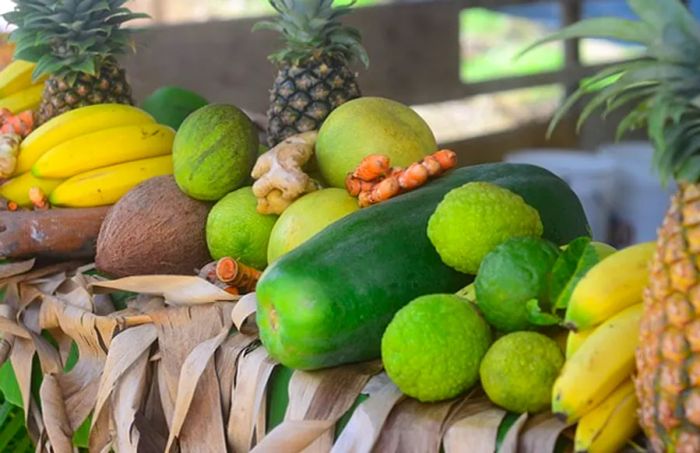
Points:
(12, 430)
(571, 266)
(689, 171)
(268, 25)
(81, 436)
(536, 316)
(9, 386)
(602, 27)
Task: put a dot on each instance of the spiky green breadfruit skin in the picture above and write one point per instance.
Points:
(329, 301)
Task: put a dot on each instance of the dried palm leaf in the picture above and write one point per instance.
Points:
(253, 372)
(510, 441)
(11, 269)
(176, 289)
(540, 433)
(317, 400)
(180, 331)
(56, 421)
(128, 394)
(366, 423)
(416, 427)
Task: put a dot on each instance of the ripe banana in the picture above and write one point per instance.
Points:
(16, 77)
(574, 340)
(104, 148)
(27, 99)
(107, 185)
(17, 188)
(602, 362)
(610, 286)
(610, 425)
(75, 123)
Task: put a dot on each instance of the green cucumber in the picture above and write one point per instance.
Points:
(328, 301)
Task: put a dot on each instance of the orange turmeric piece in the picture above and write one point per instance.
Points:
(38, 198)
(21, 124)
(375, 181)
(236, 274)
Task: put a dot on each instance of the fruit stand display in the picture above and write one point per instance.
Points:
(176, 276)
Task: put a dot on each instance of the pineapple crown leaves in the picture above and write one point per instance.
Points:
(663, 84)
(313, 27)
(68, 37)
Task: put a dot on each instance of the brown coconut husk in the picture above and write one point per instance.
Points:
(153, 229)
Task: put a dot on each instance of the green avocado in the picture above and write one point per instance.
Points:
(171, 105)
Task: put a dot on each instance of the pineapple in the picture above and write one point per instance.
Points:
(663, 86)
(314, 75)
(75, 43)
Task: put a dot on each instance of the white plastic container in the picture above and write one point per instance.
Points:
(590, 176)
(640, 201)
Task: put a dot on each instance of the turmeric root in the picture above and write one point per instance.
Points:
(236, 274)
(21, 124)
(38, 198)
(279, 176)
(391, 181)
(230, 275)
(9, 149)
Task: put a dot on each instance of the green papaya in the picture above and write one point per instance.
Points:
(328, 302)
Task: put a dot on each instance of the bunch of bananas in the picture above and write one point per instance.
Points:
(18, 91)
(90, 156)
(595, 386)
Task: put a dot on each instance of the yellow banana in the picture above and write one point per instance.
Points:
(27, 99)
(104, 148)
(610, 425)
(17, 76)
(600, 364)
(610, 286)
(574, 340)
(17, 188)
(75, 123)
(107, 185)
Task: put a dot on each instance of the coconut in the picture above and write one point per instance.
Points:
(153, 229)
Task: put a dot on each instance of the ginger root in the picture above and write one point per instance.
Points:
(9, 149)
(279, 176)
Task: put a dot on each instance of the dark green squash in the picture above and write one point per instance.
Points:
(328, 301)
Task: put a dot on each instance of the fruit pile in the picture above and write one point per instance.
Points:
(356, 237)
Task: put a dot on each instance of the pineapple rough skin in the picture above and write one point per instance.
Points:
(108, 87)
(668, 358)
(305, 94)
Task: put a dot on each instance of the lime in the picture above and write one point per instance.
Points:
(307, 216)
(513, 274)
(473, 219)
(433, 346)
(235, 228)
(519, 370)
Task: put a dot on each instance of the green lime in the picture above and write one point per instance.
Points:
(235, 228)
(513, 274)
(433, 346)
(519, 370)
(473, 219)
